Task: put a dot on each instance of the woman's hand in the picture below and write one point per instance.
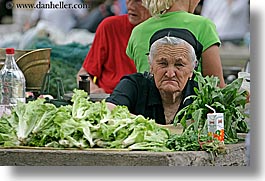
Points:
(95, 89)
(93, 86)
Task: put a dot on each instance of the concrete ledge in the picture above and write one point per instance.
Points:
(235, 156)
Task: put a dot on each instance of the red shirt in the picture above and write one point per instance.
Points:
(107, 57)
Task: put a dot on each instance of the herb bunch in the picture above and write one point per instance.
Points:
(230, 100)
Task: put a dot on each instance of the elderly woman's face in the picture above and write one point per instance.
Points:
(136, 12)
(171, 67)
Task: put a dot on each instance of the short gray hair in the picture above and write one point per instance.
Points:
(169, 40)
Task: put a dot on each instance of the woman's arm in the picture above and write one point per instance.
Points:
(211, 63)
(93, 87)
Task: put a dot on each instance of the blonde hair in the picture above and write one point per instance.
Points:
(157, 7)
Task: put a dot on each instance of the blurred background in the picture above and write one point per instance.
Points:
(28, 28)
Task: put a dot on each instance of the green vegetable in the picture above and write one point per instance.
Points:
(83, 124)
(229, 100)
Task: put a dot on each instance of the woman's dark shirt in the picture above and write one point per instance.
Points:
(139, 93)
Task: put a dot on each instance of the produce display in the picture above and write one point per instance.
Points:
(230, 100)
(85, 124)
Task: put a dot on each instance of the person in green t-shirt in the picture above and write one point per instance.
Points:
(177, 14)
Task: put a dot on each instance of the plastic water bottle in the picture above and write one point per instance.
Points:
(12, 82)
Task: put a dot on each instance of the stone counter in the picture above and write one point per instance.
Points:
(235, 156)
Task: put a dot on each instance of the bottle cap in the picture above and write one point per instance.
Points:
(10, 50)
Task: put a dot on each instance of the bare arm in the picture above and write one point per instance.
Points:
(93, 87)
(211, 63)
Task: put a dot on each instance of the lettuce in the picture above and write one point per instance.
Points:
(84, 124)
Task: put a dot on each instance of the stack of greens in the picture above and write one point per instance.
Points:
(84, 124)
(230, 100)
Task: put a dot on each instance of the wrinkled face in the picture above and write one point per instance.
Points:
(136, 12)
(171, 67)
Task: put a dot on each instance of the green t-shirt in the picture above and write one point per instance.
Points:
(202, 28)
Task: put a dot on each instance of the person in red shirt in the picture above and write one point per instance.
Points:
(107, 59)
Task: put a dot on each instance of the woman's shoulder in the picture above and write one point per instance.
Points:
(187, 19)
(115, 20)
(141, 80)
(181, 16)
(143, 26)
(199, 19)
(138, 77)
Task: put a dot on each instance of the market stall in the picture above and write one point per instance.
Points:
(235, 156)
(99, 145)
(85, 132)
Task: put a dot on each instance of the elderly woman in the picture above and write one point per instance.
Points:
(160, 94)
(177, 14)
